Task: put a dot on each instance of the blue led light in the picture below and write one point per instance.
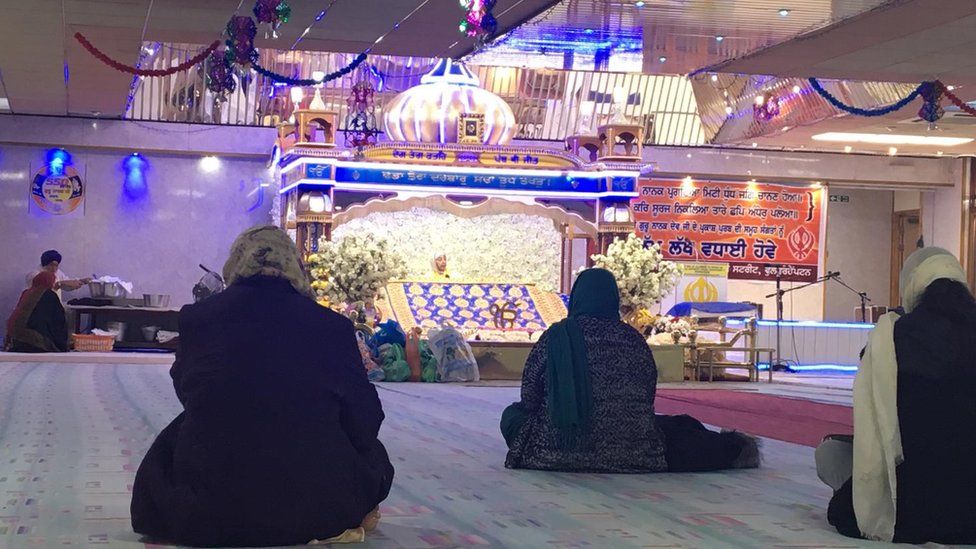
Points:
(816, 367)
(57, 159)
(810, 324)
(134, 169)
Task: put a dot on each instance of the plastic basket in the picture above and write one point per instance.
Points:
(90, 343)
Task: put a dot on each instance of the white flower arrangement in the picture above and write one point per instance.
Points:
(515, 248)
(643, 275)
(353, 270)
(672, 325)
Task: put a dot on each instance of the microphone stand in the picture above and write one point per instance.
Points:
(780, 292)
(862, 295)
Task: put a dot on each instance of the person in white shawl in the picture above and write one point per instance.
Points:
(871, 461)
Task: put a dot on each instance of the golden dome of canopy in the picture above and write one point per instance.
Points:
(429, 112)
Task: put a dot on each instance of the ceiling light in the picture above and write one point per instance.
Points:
(714, 78)
(209, 164)
(728, 110)
(754, 144)
(784, 12)
(940, 153)
(588, 31)
(318, 76)
(760, 99)
(950, 88)
(892, 139)
(892, 151)
(688, 155)
(719, 38)
(149, 50)
(848, 148)
(662, 59)
(796, 89)
(639, 3)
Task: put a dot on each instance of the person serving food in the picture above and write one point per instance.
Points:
(51, 262)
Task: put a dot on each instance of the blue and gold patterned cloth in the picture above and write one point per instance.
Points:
(473, 305)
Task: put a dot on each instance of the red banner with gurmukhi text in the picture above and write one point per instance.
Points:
(759, 229)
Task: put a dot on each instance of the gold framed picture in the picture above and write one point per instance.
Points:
(471, 128)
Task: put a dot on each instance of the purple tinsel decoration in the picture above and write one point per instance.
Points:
(219, 76)
(240, 42)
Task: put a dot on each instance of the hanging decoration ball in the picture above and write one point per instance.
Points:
(361, 126)
(272, 13)
(931, 110)
(766, 107)
(220, 78)
(489, 23)
(240, 40)
(479, 22)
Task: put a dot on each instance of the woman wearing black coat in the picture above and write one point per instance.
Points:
(912, 478)
(277, 443)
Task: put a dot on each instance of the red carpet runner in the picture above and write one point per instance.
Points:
(792, 420)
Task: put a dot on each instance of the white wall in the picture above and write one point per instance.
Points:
(859, 247)
(907, 201)
(942, 214)
(157, 240)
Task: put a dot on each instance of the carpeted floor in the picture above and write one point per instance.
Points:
(787, 419)
(71, 436)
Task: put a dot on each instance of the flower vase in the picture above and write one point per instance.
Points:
(693, 337)
(676, 336)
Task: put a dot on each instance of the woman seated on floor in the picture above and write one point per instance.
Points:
(907, 475)
(38, 324)
(277, 443)
(588, 400)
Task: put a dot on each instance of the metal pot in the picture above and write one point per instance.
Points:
(156, 301)
(149, 332)
(106, 289)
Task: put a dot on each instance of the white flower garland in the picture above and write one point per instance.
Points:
(516, 248)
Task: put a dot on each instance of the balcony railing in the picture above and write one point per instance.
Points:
(548, 104)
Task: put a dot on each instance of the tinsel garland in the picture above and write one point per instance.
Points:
(309, 81)
(880, 111)
(956, 101)
(195, 60)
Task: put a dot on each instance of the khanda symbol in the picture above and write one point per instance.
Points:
(701, 291)
(504, 314)
(801, 242)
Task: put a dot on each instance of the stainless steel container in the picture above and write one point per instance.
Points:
(149, 332)
(97, 289)
(118, 327)
(106, 289)
(156, 301)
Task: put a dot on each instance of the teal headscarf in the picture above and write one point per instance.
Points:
(570, 395)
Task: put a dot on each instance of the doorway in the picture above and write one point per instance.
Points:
(905, 233)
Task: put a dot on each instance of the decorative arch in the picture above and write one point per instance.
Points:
(490, 206)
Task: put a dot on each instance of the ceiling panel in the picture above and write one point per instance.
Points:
(36, 42)
(906, 41)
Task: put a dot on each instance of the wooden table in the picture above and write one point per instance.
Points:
(135, 318)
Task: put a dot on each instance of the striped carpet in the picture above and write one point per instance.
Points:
(71, 436)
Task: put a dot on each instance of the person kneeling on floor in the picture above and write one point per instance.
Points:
(37, 324)
(907, 474)
(277, 443)
(588, 400)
